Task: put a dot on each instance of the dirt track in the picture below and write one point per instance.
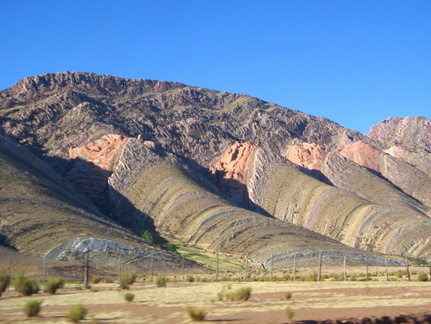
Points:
(310, 301)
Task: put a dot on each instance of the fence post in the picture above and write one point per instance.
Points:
(152, 267)
(366, 266)
(217, 266)
(245, 266)
(86, 270)
(119, 267)
(319, 274)
(272, 266)
(408, 270)
(294, 267)
(44, 269)
(386, 265)
(182, 267)
(345, 268)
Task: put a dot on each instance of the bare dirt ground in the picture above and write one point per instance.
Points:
(310, 301)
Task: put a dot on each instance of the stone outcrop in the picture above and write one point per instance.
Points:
(93, 163)
(307, 155)
(230, 173)
(363, 154)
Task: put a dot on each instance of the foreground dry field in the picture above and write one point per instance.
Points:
(310, 301)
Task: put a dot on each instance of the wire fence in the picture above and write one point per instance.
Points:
(87, 267)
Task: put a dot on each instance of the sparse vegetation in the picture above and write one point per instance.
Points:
(161, 281)
(190, 279)
(129, 297)
(196, 314)
(32, 307)
(126, 280)
(4, 281)
(25, 286)
(51, 286)
(95, 280)
(76, 313)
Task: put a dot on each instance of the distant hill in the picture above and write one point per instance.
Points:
(214, 170)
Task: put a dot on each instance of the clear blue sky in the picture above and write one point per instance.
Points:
(354, 62)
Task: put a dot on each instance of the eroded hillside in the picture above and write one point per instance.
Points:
(223, 171)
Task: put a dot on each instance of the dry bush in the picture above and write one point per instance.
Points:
(129, 297)
(243, 293)
(126, 280)
(25, 286)
(76, 313)
(196, 314)
(32, 307)
(161, 281)
(422, 276)
(51, 286)
(287, 295)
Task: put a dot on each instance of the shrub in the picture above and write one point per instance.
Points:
(287, 295)
(129, 297)
(32, 307)
(95, 280)
(243, 293)
(25, 286)
(161, 281)
(312, 276)
(422, 276)
(52, 285)
(76, 313)
(190, 279)
(289, 313)
(4, 281)
(172, 248)
(146, 235)
(126, 280)
(196, 314)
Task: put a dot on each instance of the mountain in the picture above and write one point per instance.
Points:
(214, 170)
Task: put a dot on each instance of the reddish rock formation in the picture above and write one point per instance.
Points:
(230, 173)
(363, 154)
(93, 163)
(307, 155)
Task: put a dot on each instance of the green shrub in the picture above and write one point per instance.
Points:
(172, 248)
(76, 313)
(287, 295)
(422, 276)
(161, 281)
(52, 285)
(126, 280)
(4, 281)
(129, 297)
(25, 286)
(32, 307)
(146, 235)
(196, 314)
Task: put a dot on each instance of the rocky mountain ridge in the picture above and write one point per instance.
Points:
(224, 171)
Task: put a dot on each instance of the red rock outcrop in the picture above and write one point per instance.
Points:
(363, 154)
(307, 155)
(230, 173)
(93, 163)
